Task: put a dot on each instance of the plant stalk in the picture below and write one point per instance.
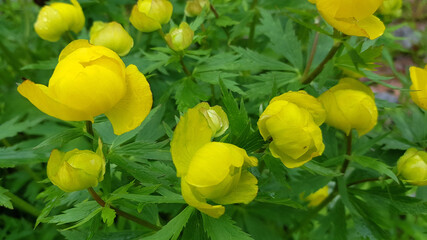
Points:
(141, 222)
(22, 204)
(312, 54)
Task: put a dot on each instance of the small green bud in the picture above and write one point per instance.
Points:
(193, 8)
(412, 167)
(180, 38)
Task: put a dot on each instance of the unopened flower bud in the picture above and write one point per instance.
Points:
(193, 8)
(180, 38)
(111, 35)
(77, 169)
(149, 15)
(216, 117)
(412, 167)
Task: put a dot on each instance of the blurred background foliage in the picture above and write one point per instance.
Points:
(254, 51)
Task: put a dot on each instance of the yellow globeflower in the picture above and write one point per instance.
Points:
(180, 38)
(317, 197)
(292, 120)
(350, 104)
(210, 170)
(92, 80)
(77, 169)
(193, 8)
(111, 35)
(419, 86)
(149, 15)
(412, 167)
(352, 17)
(57, 18)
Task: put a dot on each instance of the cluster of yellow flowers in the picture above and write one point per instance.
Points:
(91, 79)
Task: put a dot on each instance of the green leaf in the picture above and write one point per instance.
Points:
(79, 213)
(14, 126)
(5, 200)
(223, 228)
(176, 198)
(315, 168)
(189, 94)
(58, 140)
(376, 165)
(174, 227)
(11, 158)
(108, 215)
(225, 21)
(42, 65)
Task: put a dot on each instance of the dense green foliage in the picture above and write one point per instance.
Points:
(253, 51)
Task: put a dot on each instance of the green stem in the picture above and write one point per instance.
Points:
(89, 128)
(181, 60)
(347, 161)
(364, 181)
(69, 37)
(214, 11)
(318, 70)
(141, 222)
(312, 54)
(162, 34)
(22, 204)
(253, 24)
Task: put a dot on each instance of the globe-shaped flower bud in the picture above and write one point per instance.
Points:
(316, 198)
(350, 104)
(210, 170)
(180, 38)
(149, 15)
(412, 167)
(419, 86)
(216, 117)
(76, 170)
(292, 122)
(92, 80)
(55, 19)
(193, 8)
(392, 8)
(111, 35)
(352, 17)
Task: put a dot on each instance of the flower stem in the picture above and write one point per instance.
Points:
(318, 70)
(89, 128)
(181, 60)
(312, 54)
(347, 161)
(253, 24)
(22, 204)
(214, 11)
(141, 222)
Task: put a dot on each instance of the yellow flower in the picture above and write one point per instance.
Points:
(57, 18)
(292, 120)
(91, 80)
(350, 104)
(352, 17)
(210, 170)
(317, 197)
(412, 167)
(419, 86)
(180, 38)
(392, 7)
(77, 169)
(149, 15)
(193, 8)
(216, 117)
(111, 35)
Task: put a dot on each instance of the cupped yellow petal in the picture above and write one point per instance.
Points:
(195, 200)
(72, 46)
(142, 22)
(134, 107)
(317, 197)
(159, 10)
(49, 24)
(191, 133)
(212, 163)
(303, 100)
(419, 86)
(72, 15)
(334, 115)
(40, 96)
(244, 192)
(357, 9)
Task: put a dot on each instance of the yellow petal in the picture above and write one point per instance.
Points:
(303, 100)
(357, 9)
(191, 133)
(419, 86)
(132, 109)
(142, 22)
(373, 27)
(72, 46)
(195, 200)
(244, 192)
(211, 164)
(353, 84)
(334, 115)
(111, 35)
(40, 96)
(49, 24)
